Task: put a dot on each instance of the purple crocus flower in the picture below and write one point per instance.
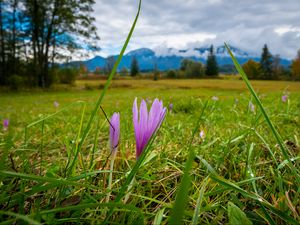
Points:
(202, 134)
(251, 107)
(5, 124)
(171, 107)
(56, 104)
(114, 131)
(215, 98)
(145, 124)
(284, 98)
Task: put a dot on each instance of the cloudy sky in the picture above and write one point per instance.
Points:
(247, 24)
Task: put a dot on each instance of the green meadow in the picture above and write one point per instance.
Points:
(238, 174)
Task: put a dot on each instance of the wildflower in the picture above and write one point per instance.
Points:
(145, 124)
(284, 98)
(171, 107)
(56, 104)
(148, 100)
(251, 107)
(5, 124)
(114, 131)
(202, 134)
(214, 98)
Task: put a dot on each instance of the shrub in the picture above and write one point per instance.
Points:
(156, 74)
(296, 67)
(187, 105)
(252, 69)
(67, 75)
(192, 69)
(124, 71)
(16, 81)
(171, 74)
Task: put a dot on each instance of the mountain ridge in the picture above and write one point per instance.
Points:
(170, 58)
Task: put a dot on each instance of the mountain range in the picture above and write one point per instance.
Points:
(170, 58)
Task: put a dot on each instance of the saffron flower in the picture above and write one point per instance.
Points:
(146, 124)
(202, 134)
(215, 98)
(284, 98)
(171, 107)
(56, 104)
(114, 132)
(252, 107)
(5, 124)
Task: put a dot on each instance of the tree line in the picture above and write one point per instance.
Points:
(188, 68)
(37, 34)
(268, 68)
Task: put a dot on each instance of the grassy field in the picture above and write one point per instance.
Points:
(238, 173)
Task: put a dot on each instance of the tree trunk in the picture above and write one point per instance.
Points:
(2, 47)
(13, 57)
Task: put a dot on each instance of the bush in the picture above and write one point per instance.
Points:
(67, 75)
(156, 75)
(192, 69)
(187, 105)
(171, 74)
(252, 69)
(16, 81)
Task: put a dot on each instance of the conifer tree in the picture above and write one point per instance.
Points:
(266, 63)
(211, 63)
(134, 68)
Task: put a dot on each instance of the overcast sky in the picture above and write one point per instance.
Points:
(247, 24)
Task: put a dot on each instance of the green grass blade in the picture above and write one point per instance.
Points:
(90, 205)
(199, 202)
(47, 117)
(225, 188)
(277, 136)
(159, 216)
(182, 195)
(20, 217)
(236, 215)
(59, 182)
(53, 114)
(97, 105)
(255, 197)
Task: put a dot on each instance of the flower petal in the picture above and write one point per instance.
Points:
(136, 124)
(114, 131)
(143, 124)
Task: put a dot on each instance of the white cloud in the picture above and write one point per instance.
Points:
(285, 29)
(179, 24)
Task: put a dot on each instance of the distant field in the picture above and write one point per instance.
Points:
(122, 92)
(215, 84)
(237, 145)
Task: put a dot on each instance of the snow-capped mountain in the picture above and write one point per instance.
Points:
(203, 52)
(141, 52)
(170, 58)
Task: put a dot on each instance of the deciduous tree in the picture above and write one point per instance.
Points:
(296, 67)
(252, 69)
